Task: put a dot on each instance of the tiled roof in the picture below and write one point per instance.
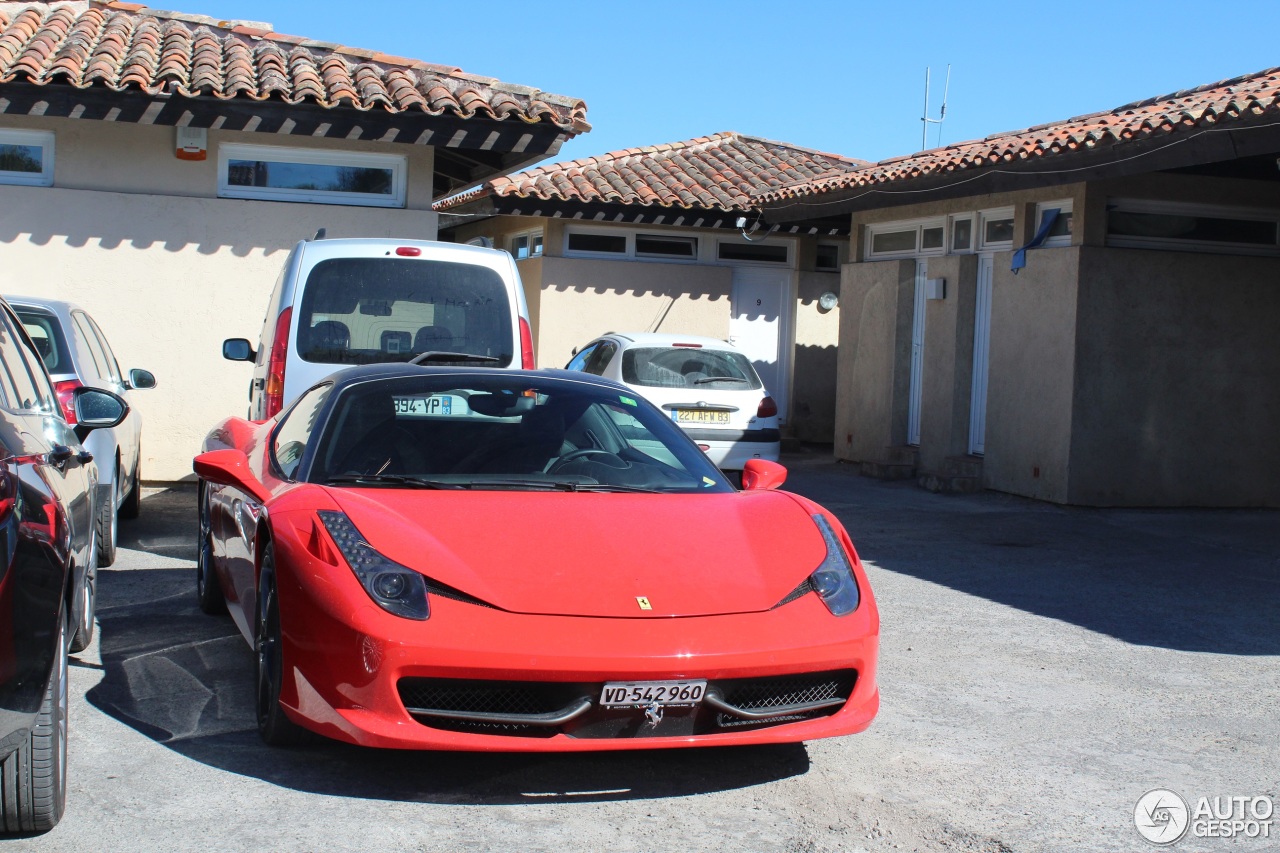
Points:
(1165, 117)
(719, 172)
(124, 46)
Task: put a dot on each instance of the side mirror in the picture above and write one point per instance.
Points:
(96, 409)
(238, 349)
(141, 380)
(230, 467)
(761, 475)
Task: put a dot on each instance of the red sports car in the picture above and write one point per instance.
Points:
(474, 559)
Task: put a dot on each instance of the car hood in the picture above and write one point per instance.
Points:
(591, 554)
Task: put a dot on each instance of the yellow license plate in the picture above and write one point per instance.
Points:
(701, 416)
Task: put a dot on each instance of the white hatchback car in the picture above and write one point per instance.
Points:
(707, 386)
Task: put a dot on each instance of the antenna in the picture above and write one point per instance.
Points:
(942, 115)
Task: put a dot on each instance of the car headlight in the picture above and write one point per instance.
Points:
(393, 587)
(833, 580)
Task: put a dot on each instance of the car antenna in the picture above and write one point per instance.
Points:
(319, 234)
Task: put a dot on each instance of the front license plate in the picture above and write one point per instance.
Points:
(701, 416)
(627, 694)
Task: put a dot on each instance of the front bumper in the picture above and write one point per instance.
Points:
(351, 670)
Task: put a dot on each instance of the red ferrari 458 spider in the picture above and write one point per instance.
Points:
(474, 559)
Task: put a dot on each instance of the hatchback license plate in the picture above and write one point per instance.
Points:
(627, 694)
(701, 416)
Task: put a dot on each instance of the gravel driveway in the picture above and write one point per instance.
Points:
(1041, 669)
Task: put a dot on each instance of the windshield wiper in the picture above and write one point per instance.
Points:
(390, 480)
(704, 380)
(608, 487)
(440, 355)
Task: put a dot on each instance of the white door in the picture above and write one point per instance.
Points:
(757, 325)
(917, 356)
(981, 349)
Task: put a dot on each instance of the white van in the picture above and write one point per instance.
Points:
(360, 301)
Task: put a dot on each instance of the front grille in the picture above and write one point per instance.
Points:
(515, 698)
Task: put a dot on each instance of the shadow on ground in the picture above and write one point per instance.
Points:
(184, 679)
(1185, 579)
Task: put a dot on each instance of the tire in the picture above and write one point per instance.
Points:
(208, 588)
(83, 635)
(275, 728)
(107, 524)
(133, 501)
(33, 779)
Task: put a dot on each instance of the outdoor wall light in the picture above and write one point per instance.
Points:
(827, 301)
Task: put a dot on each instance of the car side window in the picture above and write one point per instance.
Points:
(86, 333)
(579, 361)
(113, 366)
(600, 358)
(294, 432)
(22, 387)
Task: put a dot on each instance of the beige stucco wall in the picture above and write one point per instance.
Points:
(874, 358)
(166, 268)
(626, 296)
(1177, 371)
(947, 374)
(813, 367)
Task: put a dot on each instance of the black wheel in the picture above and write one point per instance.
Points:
(275, 728)
(208, 589)
(133, 501)
(33, 779)
(107, 525)
(83, 635)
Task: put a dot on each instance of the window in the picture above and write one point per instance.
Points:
(996, 229)
(528, 245)
(292, 436)
(651, 245)
(765, 253)
(887, 242)
(1164, 225)
(25, 384)
(962, 234)
(827, 258)
(1060, 232)
(904, 239)
(612, 244)
(300, 174)
(580, 359)
(26, 157)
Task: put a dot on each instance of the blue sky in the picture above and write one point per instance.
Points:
(841, 77)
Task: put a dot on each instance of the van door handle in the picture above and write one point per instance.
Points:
(259, 383)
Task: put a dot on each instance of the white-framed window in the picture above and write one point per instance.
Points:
(1060, 232)
(26, 157)
(995, 229)
(597, 242)
(907, 238)
(668, 247)
(1144, 224)
(757, 252)
(272, 173)
(828, 257)
(961, 234)
(527, 244)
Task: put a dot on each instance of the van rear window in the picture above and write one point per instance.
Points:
(367, 310)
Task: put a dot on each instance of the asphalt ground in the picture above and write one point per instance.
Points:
(1042, 668)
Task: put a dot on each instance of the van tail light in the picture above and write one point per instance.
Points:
(526, 345)
(66, 391)
(768, 408)
(275, 365)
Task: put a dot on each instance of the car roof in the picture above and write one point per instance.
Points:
(667, 339)
(400, 370)
(374, 247)
(57, 306)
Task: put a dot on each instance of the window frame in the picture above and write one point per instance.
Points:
(786, 245)
(628, 244)
(1065, 207)
(902, 226)
(529, 236)
(44, 139)
(840, 256)
(397, 163)
(981, 243)
(1181, 244)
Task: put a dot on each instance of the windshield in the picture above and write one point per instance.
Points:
(499, 432)
(366, 310)
(687, 367)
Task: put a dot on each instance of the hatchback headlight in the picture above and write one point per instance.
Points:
(833, 580)
(393, 587)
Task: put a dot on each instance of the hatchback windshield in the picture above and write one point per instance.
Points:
(365, 310)
(687, 367)
(488, 432)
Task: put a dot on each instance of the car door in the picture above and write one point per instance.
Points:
(128, 434)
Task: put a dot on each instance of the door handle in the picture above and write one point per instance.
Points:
(59, 454)
(84, 457)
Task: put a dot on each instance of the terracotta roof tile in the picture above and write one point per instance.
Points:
(1237, 99)
(717, 172)
(126, 46)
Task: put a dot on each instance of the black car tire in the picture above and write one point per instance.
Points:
(83, 635)
(133, 501)
(208, 589)
(274, 726)
(33, 779)
(106, 523)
